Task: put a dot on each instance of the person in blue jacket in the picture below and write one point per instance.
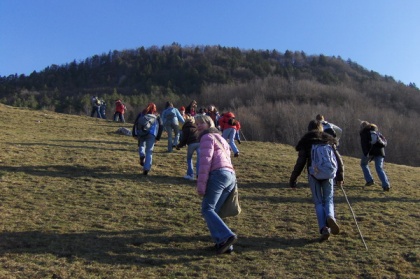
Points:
(171, 118)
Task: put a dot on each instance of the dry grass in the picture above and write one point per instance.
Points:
(74, 205)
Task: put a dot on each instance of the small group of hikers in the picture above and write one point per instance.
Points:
(99, 108)
(323, 134)
(216, 178)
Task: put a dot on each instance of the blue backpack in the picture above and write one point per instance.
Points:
(324, 163)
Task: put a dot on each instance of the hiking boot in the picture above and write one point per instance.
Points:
(142, 158)
(370, 183)
(325, 234)
(223, 247)
(189, 177)
(236, 155)
(239, 141)
(332, 224)
(386, 189)
(145, 172)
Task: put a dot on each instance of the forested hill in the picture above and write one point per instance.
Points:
(275, 94)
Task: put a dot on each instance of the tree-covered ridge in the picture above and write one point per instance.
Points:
(185, 70)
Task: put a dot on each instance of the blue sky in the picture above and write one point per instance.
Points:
(380, 35)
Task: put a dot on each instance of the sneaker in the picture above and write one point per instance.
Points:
(142, 158)
(189, 177)
(228, 251)
(236, 155)
(223, 247)
(370, 183)
(145, 172)
(386, 189)
(332, 224)
(325, 234)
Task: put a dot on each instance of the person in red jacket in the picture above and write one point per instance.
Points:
(227, 125)
(237, 128)
(120, 109)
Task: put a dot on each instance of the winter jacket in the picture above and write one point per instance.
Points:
(189, 134)
(211, 157)
(365, 139)
(304, 148)
(120, 107)
(224, 119)
(172, 115)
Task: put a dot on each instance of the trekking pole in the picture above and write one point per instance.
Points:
(354, 216)
(242, 134)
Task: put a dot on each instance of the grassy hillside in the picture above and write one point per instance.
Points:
(74, 204)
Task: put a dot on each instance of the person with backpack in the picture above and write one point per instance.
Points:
(190, 137)
(171, 118)
(96, 107)
(147, 129)
(373, 147)
(216, 180)
(227, 125)
(330, 128)
(317, 150)
(120, 109)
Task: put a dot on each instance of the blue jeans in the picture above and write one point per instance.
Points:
(97, 110)
(322, 197)
(221, 182)
(146, 146)
(190, 151)
(172, 142)
(119, 116)
(229, 135)
(237, 136)
(379, 164)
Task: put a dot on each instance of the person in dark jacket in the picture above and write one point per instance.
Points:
(322, 190)
(190, 137)
(372, 152)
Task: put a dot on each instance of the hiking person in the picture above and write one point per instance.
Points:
(322, 190)
(214, 114)
(227, 126)
(96, 107)
(238, 130)
(171, 118)
(102, 109)
(329, 127)
(372, 150)
(120, 109)
(191, 109)
(190, 138)
(147, 134)
(216, 179)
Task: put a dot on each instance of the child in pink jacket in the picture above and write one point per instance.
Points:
(216, 179)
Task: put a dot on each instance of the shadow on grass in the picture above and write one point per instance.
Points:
(141, 247)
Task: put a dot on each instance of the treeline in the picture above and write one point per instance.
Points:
(274, 94)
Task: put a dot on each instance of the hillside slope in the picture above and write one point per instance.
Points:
(75, 205)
